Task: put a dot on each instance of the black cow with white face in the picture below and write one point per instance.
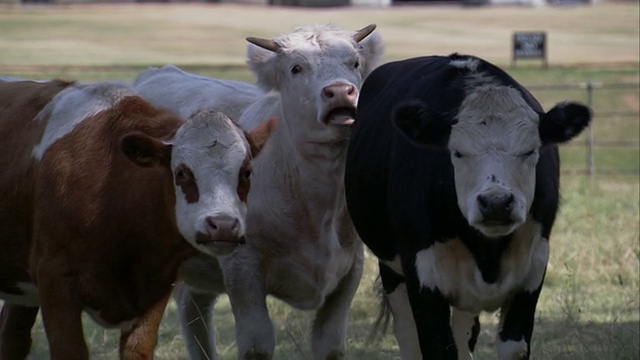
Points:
(452, 180)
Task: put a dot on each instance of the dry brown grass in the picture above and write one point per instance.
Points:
(589, 308)
(213, 34)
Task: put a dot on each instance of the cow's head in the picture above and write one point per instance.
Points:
(209, 157)
(494, 142)
(318, 70)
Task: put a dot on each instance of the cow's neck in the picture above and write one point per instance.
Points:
(493, 255)
(313, 173)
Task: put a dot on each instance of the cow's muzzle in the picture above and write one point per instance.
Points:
(496, 209)
(340, 101)
(222, 236)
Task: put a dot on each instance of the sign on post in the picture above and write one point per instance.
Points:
(529, 45)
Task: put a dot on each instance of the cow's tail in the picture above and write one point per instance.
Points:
(383, 319)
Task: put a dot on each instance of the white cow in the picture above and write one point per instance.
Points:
(301, 246)
(188, 93)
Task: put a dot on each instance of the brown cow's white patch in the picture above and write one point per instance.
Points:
(72, 106)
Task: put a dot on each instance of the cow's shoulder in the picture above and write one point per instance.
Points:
(72, 106)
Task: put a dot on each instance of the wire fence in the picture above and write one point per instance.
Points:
(611, 145)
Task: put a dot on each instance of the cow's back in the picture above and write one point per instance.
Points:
(376, 146)
(20, 104)
(173, 88)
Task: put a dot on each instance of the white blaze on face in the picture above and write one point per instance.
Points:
(494, 151)
(209, 156)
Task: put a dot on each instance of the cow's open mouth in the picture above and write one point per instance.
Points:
(341, 116)
(202, 239)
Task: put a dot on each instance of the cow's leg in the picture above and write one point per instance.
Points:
(330, 324)
(16, 322)
(517, 317)
(431, 310)
(139, 342)
(255, 336)
(404, 327)
(465, 327)
(475, 332)
(195, 311)
(61, 313)
(516, 326)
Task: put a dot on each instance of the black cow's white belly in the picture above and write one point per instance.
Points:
(451, 268)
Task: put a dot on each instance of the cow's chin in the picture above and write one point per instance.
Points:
(218, 247)
(342, 117)
(496, 229)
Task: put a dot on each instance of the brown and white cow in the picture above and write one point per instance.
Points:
(102, 197)
(301, 245)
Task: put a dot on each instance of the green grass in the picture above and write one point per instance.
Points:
(589, 307)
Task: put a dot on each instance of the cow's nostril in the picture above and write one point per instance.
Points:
(328, 93)
(211, 221)
(496, 207)
(508, 202)
(482, 201)
(351, 90)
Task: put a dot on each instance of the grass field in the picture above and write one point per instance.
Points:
(214, 34)
(589, 307)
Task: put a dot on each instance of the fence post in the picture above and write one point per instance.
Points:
(590, 169)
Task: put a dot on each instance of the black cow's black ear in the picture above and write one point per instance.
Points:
(564, 122)
(420, 125)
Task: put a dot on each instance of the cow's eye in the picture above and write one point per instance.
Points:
(296, 69)
(528, 153)
(247, 174)
(182, 173)
(356, 65)
(457, 154)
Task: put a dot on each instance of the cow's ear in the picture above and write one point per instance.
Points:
(145, 151)
(371, 50)
(260, 61)
(564, 122)
(421, 125)
(259, 136)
